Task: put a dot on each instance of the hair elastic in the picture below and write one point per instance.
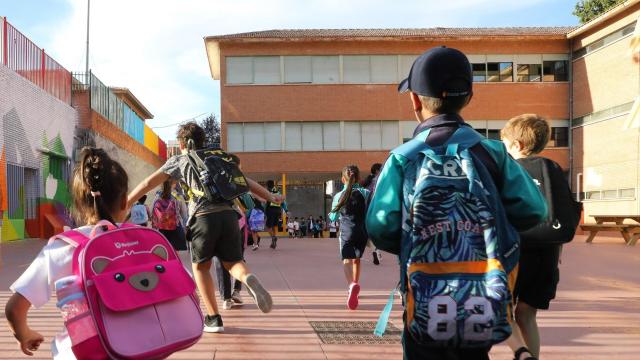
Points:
(95, 193)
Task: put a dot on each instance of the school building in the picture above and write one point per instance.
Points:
(48, 114)
(298, 105)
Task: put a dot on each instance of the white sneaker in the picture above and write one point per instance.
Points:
(237, 299)
(255, 247)
(228, 304)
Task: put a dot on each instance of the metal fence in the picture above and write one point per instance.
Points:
(112, 108)
(31, 62)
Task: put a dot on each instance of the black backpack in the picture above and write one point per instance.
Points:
(564, 212)
(219, 177)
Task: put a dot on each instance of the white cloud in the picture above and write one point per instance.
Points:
(156, 48)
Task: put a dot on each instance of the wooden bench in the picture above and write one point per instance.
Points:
(630, 232)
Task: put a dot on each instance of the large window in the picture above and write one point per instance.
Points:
(500, 71)
(297, 69)
(559, 137)
(326, 69)
(384, 69)
(529, 72)
(266, 69)
(604, 41)
(331, 136)
(479, 72)
(555, 70)
(356, 69)
(240, 70)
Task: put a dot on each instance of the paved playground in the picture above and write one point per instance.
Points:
(596, 315)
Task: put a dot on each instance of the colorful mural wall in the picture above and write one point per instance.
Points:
(36, 144)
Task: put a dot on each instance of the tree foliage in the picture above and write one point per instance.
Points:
(587, 10)
(211, 127)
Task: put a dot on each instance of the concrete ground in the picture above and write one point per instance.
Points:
(595, 316)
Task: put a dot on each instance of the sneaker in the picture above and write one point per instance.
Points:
(379, 255)
(213, 324)
(259, 294)
(274, 242)
(255, 247)
(375, 258)
(227, 304)
(352, 300)
(237, 299)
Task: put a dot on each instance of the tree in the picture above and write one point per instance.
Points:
(588, 10)
(211, 127)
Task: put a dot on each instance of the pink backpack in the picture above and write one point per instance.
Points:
(165, 214)
(141, 299)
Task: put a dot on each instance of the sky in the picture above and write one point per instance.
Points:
(156, 47)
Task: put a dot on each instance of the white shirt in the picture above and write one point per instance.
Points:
(296, 225)
(37, 283)
(333, 226)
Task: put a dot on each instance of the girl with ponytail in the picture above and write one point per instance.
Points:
(99, 191)
(350, 209)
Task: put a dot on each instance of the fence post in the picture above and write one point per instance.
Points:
(43, 64)
(5, 46)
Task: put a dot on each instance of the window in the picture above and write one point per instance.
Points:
(500, 72)
(611, 38)
(312, 136)
(384, 69)
(408, 127)
(356, 69)
(297, 69)
(272, 136)
(482, 132)
(352, 135)
(331, 135)
(529, 72)
(628, 193)
(371, 135)
(610, 194)
(493, 134)
(592, 195)
(326, 69)
(254, 137)
(390, 134)
(479, 72)
(240, 70)
(266, 69)
(559, 137)
(406, 61)
(555, 70)
(235, 140)
(293, 136)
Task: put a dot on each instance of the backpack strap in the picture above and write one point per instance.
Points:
(74, 238)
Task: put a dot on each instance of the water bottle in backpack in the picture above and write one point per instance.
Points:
(75, 309)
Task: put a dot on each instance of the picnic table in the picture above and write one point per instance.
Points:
(630, 232)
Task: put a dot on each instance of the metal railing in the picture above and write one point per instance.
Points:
(21, 55)
(106, 103)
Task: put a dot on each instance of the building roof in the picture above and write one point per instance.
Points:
(138, 107)
(212, 43)
(395, 33)
(602, 18)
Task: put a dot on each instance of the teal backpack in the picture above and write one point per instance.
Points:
(458, 251)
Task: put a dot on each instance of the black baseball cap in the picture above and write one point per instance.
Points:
(439, 73)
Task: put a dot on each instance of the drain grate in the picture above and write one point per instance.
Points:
(354, 333)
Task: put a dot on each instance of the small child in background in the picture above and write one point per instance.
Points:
(296, 227)
(290, 228)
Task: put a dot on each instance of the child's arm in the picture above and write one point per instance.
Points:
(263, 193)
(16, 312)
(384, 217)
(145, 186)
(333, 216)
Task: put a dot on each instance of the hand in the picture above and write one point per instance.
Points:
(29, 341)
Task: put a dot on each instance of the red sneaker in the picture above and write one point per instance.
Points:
(354, 291)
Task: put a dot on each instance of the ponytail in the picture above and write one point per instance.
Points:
(99, 183)
(352, 173)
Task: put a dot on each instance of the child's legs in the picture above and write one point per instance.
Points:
(348, 270)
(224, 279)
(239, 270)
(204, 281)
(356, 270)
(526, 320)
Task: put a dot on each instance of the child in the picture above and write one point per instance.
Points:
(296, 227)
(439, 85)
(140, 212)
(258, 212)
(213, 228)
(333, 229)
(370, 184)
(525, 136)
(350, 208)
(290, 228)
(166, 217)
(274, 213)
(99, 191)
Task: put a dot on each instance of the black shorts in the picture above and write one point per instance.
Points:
(215, 234)
(176, 238)
(273, 216)
(538, 276)
(352, 243)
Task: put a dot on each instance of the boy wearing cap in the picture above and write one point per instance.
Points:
(440, 86)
